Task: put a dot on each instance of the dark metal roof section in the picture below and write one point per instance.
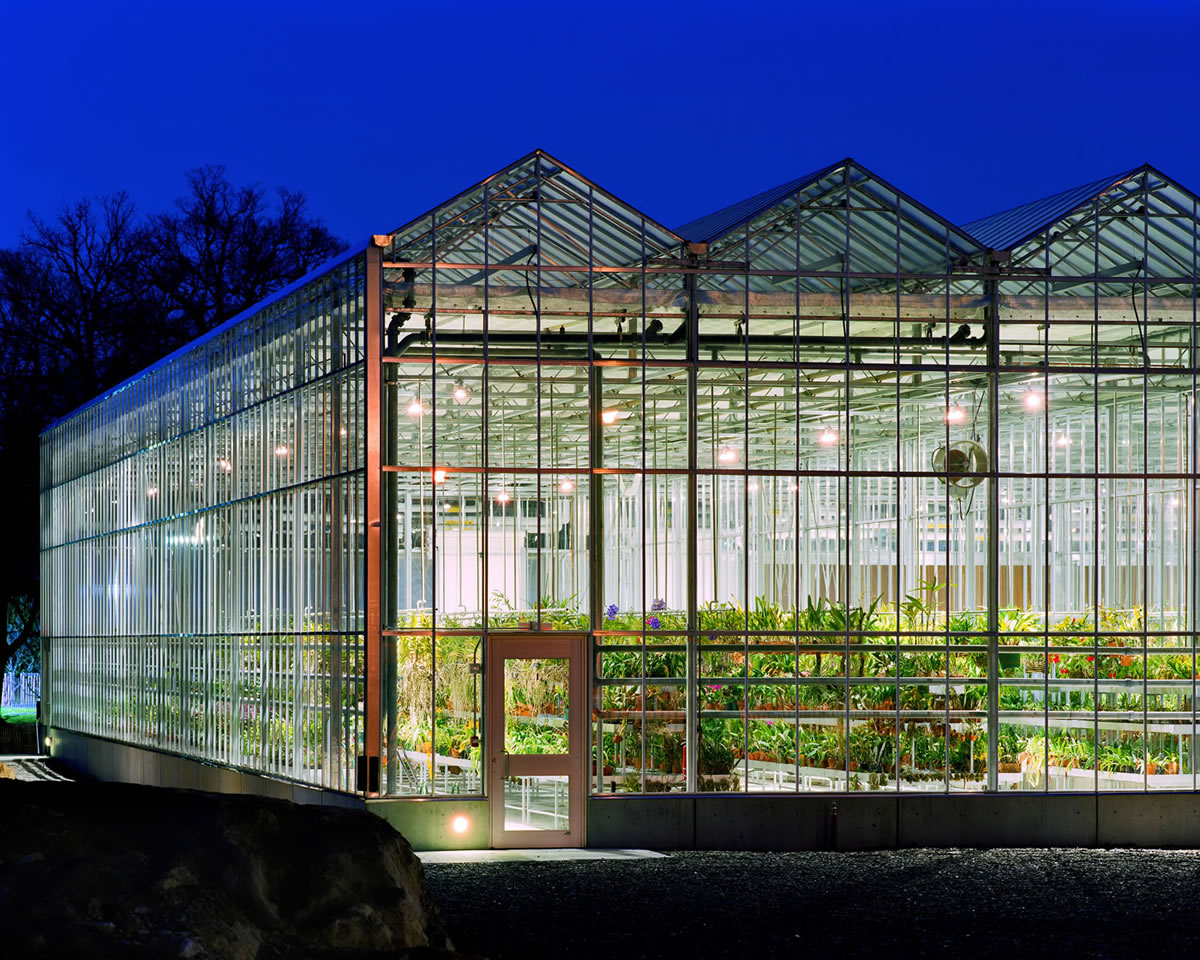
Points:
(1005, 230)
(711, 226)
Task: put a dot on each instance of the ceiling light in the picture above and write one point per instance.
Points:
(224, 465)
(281, 450)
(415, 409)
(502, 497)
(608, 417)
(153, 492)
(752, 486)
(1174, 502)
(828, 437)
(955, 414)
(1063, 440)
(728, 455)
(566, 486)
(461, 393)
(439, 476)
(1033, 400)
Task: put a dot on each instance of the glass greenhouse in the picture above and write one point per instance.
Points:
(535, 506)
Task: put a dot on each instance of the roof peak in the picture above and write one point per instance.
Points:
(1008, 228)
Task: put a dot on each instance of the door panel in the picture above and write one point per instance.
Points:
(536, 735)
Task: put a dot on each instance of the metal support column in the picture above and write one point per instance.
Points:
(993, 535)
(368, 771)
(691, 721)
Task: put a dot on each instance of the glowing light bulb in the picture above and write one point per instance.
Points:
(728, 455)
(1063, 440)
(502, 497)
(152, 491)
(1033, 400)
(224, 465)
(608, 417)
(827, 437)
(415, 409)
(439, 476)
(342, 431)
(955, 414)
(461, 393)
(567, 486)
(752, 486)
(459, 824)
(281, 450)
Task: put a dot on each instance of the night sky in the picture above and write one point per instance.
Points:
(380, 111)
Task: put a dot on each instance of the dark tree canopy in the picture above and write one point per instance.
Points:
(97, 293)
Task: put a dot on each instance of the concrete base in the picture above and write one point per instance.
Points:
(878, 822)
(871, 821)
(428, 823)
(111, 760)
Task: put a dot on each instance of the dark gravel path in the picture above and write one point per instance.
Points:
(915, 903)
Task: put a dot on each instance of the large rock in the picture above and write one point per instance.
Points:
(90, 869)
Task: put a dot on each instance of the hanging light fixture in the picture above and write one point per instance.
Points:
(415, 409)
(461, 393)
(1063, 440)
(439, 476)
(828, 437)
(566, 485)
(609, 417)
(728, 455)
(281, 450)
(1033, 400)
(955, 414)
(503, 497)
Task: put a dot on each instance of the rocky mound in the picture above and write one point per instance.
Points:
(116, 870)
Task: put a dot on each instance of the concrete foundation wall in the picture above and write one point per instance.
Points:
(874, 822)
(738, 822)
(428, 823)
(112, 760)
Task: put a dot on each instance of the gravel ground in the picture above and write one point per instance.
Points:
(911, 903)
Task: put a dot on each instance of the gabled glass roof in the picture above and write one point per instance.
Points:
(1135, 226)
(1006, 229)
(536, 210)
(838, 219)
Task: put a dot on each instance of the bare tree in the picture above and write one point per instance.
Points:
(96, 294)
(221, 250)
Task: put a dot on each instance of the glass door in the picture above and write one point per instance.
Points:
(536, 740)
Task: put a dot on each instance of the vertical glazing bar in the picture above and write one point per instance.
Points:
(691, 594)
(1095, 584)
(373, 331)
(1145, 483)
(993, 534)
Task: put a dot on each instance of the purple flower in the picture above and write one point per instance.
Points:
(611, 611)
(654, 623)
(770, 723)
(659, 604)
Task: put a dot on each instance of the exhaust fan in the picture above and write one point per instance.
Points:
(953, 463)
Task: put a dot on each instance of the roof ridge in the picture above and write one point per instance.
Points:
(718, 222)
(1007, 228)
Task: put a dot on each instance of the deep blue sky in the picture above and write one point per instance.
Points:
(380, 111)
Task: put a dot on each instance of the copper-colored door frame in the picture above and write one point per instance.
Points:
(499, 765)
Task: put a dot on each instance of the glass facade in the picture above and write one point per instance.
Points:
(202, 562)
(836, 496)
